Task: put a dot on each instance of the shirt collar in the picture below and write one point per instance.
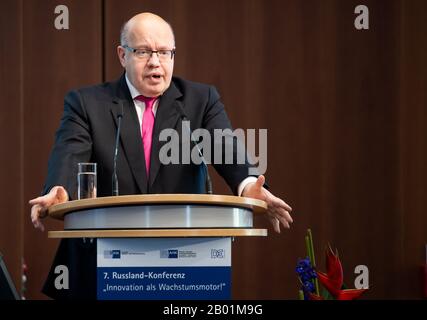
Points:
(133, 91)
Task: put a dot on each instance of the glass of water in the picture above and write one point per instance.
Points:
(86, 181)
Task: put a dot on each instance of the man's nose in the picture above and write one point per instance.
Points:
(154, 59)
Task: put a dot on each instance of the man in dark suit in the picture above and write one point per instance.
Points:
(151, 99)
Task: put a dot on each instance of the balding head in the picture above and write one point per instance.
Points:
(145, 18)
(151, 73)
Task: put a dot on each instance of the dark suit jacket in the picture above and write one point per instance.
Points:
(87, 134)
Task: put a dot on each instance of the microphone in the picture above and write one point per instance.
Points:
(184, 120)
(116, 149)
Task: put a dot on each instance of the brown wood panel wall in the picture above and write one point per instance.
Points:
(11, 173)
(55, 61)
(412, 144)
(344, 109)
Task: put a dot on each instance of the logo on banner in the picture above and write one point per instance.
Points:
(169, 254)
(217, 253)
(112, 254)
(177, 254)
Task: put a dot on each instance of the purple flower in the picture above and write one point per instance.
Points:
(306, 275)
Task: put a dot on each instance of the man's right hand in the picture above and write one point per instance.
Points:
(40, 205)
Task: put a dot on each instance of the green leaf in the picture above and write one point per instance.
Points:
(326, 295)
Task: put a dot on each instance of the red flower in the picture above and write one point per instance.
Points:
(333, 279)
(313, 296)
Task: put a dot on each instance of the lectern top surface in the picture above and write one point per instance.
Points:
(159, 233)
(257, 206)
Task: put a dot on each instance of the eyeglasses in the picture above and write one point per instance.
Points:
(163, 55)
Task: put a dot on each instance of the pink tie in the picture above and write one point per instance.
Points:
(147, 128)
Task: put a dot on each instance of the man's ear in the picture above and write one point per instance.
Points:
(121, 52)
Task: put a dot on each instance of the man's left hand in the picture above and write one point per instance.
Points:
(278, 210)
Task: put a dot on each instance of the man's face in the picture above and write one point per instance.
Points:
(151, 76)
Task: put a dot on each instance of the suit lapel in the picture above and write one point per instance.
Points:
(130, 135)
(167, 116)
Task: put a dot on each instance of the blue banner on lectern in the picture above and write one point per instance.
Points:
(163, 269)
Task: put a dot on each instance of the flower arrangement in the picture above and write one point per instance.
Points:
(331, 281)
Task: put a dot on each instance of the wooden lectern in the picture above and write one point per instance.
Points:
(165, 246)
